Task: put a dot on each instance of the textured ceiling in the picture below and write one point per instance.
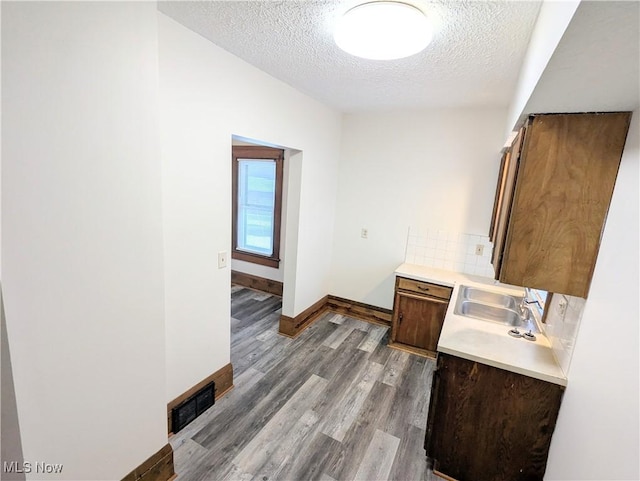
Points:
(474, 58)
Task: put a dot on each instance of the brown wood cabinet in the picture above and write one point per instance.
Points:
(552, 199)
(488, 424)
(504, 198)
(419, 309)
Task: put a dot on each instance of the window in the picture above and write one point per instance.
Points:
(257, 204)
(538, 299)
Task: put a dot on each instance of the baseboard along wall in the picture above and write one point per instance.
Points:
(360, 310)
(158, 467)
(293, 326)
(257, 283)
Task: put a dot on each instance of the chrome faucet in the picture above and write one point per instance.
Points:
(525, 310)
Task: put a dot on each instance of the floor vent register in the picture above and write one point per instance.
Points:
(193, 407)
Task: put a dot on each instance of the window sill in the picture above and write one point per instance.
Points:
(255, 259)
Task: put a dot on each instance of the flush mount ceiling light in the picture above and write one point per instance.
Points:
(383, 31)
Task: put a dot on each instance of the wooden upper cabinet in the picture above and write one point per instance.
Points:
(504, 199)
(548, 236)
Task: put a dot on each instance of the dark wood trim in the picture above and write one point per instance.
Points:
(412, 349)
(223, 378)
(508, 176)
(497, 201)
(257, 283)
(255, 258)
(293, 326)
(360, 310)
(257, 152)
(158, 467)
(443, 476)
(547, 307)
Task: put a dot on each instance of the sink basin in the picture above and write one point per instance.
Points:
(487, 297)
(491, 306)
(487, 312)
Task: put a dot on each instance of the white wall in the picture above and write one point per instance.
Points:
(595, 67)
(597, 434)
(208, 95)
(0, 139)
(435, 169)
(553, 19)
(562, 326)
(273, 273)
(82, 234)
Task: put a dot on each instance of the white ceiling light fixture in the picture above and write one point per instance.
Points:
(383, 31)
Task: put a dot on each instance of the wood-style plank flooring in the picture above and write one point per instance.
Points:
(333, 404)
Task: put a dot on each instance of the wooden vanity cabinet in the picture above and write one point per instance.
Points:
(553, 194)
(489, 424)
(419, 309)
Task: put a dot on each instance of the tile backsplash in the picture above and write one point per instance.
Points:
(562, 329)
(453, 251)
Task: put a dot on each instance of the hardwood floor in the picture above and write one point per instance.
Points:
(333, 404)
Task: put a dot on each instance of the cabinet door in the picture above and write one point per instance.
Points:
(419, 320)
(504, 200)
(490, 424)
(432, 413)
(564, 185)
(498, 198)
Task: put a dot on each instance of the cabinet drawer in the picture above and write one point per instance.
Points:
(425, 288)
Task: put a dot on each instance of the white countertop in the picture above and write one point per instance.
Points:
(439, 276)
(485, 341)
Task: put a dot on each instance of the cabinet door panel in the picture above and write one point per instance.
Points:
(504, 199)
(490, 424)
(497, 202)
(564, 185)
(419, 321)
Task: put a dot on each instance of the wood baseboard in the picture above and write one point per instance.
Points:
(158, 467)
(359, 310)
(442, 476)
(223, 378)
(412, 350)
(293, 326)
(257, 283)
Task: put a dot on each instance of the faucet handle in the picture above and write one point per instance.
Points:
(525, 313)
